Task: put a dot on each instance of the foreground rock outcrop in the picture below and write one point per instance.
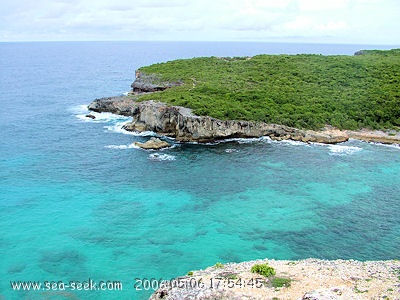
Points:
(181, 124)
(309, 279)
(120, 105)
(153, 143)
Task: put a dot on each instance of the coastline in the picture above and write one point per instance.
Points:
(375, 136)
(309, 279)
(183, 125)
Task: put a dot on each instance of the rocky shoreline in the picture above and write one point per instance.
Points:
(183, 125)
(309, 279)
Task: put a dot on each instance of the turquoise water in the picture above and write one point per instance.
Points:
(78, 201)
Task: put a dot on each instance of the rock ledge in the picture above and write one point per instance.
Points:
(310, 279)
(183, 125)
(153, 143)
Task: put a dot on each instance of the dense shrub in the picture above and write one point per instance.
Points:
(305, 91)
(263, 269)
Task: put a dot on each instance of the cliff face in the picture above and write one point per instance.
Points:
(146, 83)
(121, 105)
(182, 124)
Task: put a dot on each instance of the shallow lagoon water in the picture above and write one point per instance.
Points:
(79, 201)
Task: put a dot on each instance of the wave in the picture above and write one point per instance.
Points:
(161, 157)
(249, 140)
(81, 112)
(114, 122)
(122, 147)
(395, 146)
(237, 140)
(118, 128)
(343, 150)
(231, 150)
(106, 117)
(293, 143)
(78, 109)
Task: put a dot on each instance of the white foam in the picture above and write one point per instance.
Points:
(395, 146)
(83, 118)
(122, 147)
(248, 140)
(118, 128)
(343, 150)
(231, 150)
(161, 157)
(292, 142)
(78, 109)
(109, 117)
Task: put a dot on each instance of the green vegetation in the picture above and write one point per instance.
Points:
(358, 291)
(303, 91)
(268, 271)
(263, 269)
(190, 273)
(278, 282)
(397, 273)
(218, 265)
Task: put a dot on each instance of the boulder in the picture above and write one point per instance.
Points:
(153, 143)
(90, 116)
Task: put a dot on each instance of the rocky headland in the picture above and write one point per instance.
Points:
(183, 125)
(309, 279)
(180, 123)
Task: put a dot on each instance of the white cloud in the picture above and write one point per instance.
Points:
(320, 5)
(341, 21)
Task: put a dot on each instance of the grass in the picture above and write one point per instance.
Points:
(278, 282)
(233, 276)
(358, 291)
(397, 273)
(269, 272)
(303, 91)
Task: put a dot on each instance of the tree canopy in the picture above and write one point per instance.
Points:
(303, 91)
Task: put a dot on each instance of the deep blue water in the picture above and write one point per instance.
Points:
(77, 201)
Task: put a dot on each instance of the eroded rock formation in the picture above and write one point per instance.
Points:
(180, 123)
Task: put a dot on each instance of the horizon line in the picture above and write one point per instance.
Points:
(197, 41)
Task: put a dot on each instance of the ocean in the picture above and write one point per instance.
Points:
(79, 202)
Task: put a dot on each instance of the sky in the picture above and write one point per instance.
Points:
(314, 21)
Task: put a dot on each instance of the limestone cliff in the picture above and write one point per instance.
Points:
(146, 83)
(181, 124)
